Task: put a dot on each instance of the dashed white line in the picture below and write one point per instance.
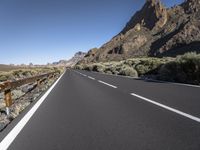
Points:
(5, 143)
(91, 78)
(107, 84)
(81, 73)
(168, 108)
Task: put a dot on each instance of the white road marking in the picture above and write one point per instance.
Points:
(107, 84)
(180, 84)
(6, 142)
(91, 78)
(168, 108)
(85, 75)
(80, 73)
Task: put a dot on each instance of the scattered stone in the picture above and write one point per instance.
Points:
(22, 97)
(27, 88)
(4, 121)
(17, 94)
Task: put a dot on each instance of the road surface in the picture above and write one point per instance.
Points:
(91, 111)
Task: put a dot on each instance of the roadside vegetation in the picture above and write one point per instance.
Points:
(25, 73)
(9, 67)
(183, 69)
(24, 95)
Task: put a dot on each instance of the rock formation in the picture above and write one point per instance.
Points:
(71, 62)
(154, 31)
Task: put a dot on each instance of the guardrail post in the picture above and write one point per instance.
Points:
(7, 86)
(49, 77)
(38, 82)
(8, 100)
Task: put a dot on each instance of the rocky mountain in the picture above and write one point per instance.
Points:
(71, 62)
(77, 57)
(154, 31)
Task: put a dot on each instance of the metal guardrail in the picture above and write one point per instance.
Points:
(8, 86)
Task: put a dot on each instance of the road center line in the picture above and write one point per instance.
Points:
(107, 84)
(91, 78)
(81, 73)
(6, 142)
(168, 108)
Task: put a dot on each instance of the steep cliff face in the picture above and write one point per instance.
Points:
(182, 31)
(152, 15)
(154, 31)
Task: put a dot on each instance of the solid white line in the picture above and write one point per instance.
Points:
(168, 108)
(107, 84)
(180, 84)
(5, 143)
(91, 78)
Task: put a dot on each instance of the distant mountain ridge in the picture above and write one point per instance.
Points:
(154, 31)
(77, 57)
(71, 62)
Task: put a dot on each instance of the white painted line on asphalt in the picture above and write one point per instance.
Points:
(107, 84)
(114, 75)
(80, 73)
(91, 78)
(180, 84)
(168, 108)
(6, 142)
(128, 77)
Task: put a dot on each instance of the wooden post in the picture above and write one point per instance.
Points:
(50, 76)
(8, 100)
(38, 82)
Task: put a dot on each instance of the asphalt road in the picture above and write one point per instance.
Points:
(90, 111)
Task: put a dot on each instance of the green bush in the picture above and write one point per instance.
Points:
(98, 68)
(79, 67)
(88, 67)
(132, 62)
(185, 69)
(3, 78)
(141, 69)
(128, 71)
(108, 72)
(25, 73)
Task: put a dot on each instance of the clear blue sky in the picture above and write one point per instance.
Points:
(41, 31)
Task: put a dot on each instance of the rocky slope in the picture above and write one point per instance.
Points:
(154, 31)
